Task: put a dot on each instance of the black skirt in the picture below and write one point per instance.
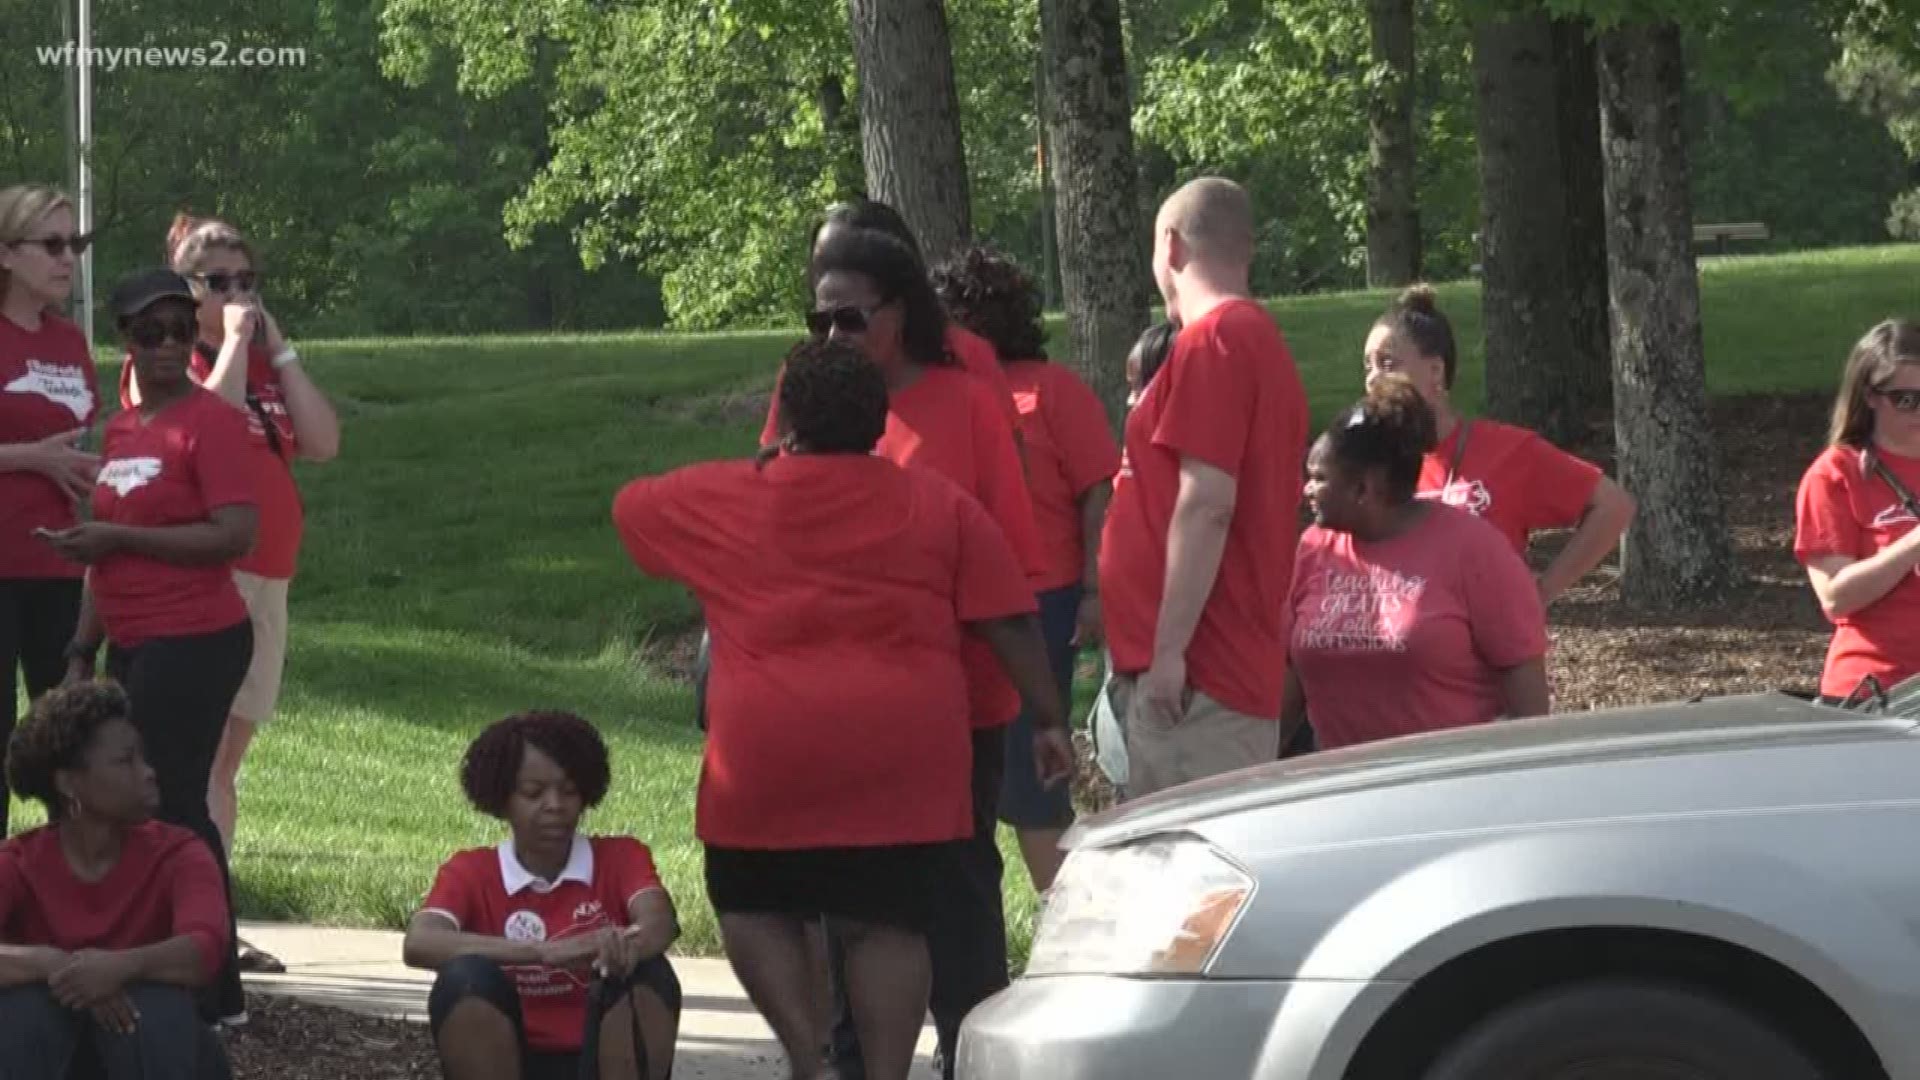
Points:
(887, 886)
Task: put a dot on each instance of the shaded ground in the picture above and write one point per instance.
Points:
(1769, 635)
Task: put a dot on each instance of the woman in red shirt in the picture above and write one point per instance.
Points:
(1510, 476)
(1070, 461)
(552, 944)
(838, 587)
(47, 403)
(173, 508)
(1856, 514)
(108, 920)
(1409, 615)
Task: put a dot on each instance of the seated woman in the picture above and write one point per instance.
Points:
(109, 920)
(551, 945)
(840, 586)
(1856, 515)
(1510, 476)
(1409, 615)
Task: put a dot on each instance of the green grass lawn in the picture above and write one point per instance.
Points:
(460, 566)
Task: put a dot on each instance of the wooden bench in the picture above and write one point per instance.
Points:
(1722, 234)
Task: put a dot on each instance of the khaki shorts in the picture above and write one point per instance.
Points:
(267, 604)
(1210, 739)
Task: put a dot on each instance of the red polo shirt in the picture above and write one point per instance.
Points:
(1510, 476)
(487, 891)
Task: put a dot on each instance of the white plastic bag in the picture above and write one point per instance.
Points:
(1109, 737)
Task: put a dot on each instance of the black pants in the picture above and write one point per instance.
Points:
(482, 979)
(180, 690)
(37, 616)
(968, 939)
(40, 1039)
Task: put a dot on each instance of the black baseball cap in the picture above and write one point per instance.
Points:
(138, 291)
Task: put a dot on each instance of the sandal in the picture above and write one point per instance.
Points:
(259, 963)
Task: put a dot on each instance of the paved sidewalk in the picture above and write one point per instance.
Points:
(721, 1036)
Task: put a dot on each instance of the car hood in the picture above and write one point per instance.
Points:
(1747, 722)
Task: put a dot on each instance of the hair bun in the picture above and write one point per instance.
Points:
(1421, 298)
(183, 225)
(1394, 403)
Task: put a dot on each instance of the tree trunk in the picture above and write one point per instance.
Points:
(1393, 211)
(1678, 550)
(910, 119)
(1588, 373)
(1523, 225)
(1103, 273)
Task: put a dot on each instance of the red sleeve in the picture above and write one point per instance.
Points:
(453, 895)
(1824, 521)
(1079, 427)
(221, 457)
(644, 513)
(1504, 612)
(1206, 409)
(1562, 484)
(631, 864)
(1003, 482)
(770, 431)
(199, 900)
(988, 580)
(979, 358)
(126, 382)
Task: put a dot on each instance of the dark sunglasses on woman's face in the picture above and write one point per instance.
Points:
(243, 281)
(150, 331)
(1905, 401)
(847, 320)
(56, 246)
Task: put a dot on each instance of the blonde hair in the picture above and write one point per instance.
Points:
(1214, 215)
(1884, 350)
(189, 239)
(21, 207)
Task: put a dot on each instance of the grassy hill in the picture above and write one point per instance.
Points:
(460, 564)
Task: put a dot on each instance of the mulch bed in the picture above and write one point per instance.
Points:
(1769, 635)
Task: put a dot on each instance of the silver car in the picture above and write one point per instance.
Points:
(1719, 890)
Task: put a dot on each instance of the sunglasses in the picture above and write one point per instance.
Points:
(243, 281)
(150, 331)
(1906, 401)
(56, 246)
(847, 320)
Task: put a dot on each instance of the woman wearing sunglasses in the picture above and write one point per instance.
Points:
(47, 403)
(873, 293)
(1857, 511)
(173, 509)
(241, 356)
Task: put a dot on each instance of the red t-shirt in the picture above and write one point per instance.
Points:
(950, 423)
(276, 550)
(976, 357)
(1069, 448)
(1843, 509)
(47, 385)
(165, 885)
(1394, 637)
(1229, 396)
(487, 891)
(835, 588)
(1512, 477)
(174, 469)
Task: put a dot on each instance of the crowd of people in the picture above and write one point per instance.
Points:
(897, 589)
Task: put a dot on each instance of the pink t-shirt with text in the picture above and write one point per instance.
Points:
(1400, 636)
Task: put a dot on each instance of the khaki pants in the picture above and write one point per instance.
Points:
(1208, 740)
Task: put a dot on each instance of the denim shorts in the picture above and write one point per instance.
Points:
(1024, 804)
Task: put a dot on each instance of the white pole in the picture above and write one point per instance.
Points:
(85, 194)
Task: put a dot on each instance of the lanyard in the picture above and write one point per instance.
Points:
(1900, 490)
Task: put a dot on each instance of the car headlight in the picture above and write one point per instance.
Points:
(1162, 906)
